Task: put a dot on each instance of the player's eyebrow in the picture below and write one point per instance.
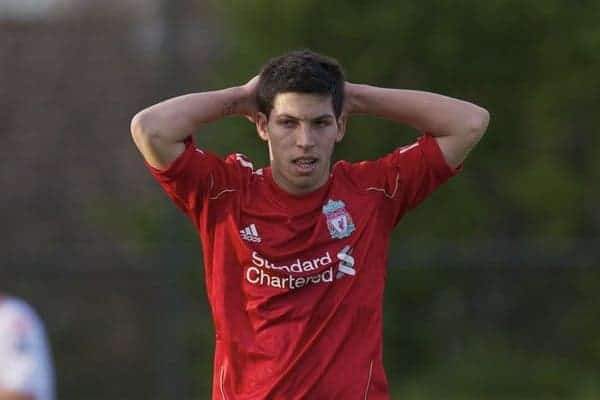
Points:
(324, 116)
(320, 117)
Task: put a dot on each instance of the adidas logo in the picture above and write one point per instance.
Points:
(250, 234)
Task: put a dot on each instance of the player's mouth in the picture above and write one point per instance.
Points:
(305, 165)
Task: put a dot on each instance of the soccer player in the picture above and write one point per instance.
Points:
(295, 253)
(26, 371)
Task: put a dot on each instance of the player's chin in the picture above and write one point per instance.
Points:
(308, 183)
(301, 180)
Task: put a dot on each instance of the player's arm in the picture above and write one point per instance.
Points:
(6, 395)
(457, 125)
(159, 131)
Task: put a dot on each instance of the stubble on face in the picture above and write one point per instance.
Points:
(301, 131)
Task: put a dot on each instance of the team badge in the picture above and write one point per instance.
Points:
(339, 220)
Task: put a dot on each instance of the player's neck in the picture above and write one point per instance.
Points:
(297, 191)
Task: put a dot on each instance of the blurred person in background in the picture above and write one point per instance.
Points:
(295, 253)
(26, 371)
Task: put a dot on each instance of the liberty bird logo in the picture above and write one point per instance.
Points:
(339, 221)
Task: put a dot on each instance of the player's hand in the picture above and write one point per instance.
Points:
(248, 105)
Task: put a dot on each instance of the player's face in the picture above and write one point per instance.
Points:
(301, 131)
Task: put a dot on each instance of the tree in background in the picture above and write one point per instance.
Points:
(472, 325)
(531, 64)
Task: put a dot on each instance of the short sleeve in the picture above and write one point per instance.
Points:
(411, 173)
(191, 176)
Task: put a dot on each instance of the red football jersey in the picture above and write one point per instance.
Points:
(295, 283)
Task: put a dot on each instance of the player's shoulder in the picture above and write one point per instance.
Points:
(397, 157)
(356, 167)
(239, 160)
(360, 174)
(242, 166)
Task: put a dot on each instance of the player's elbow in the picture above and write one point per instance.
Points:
(150, 127)
(145, 134)
(478, 122)
(141, 126)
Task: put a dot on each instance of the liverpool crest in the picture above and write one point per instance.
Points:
(339, 220)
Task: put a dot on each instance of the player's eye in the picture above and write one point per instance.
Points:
(322, 123)
(287, 123)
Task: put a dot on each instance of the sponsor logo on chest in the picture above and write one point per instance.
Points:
(299, 273)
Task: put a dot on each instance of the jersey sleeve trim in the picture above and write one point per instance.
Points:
(433, 154)
(172, 170)
(382, 189)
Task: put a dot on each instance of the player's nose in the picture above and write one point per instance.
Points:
(305, 136)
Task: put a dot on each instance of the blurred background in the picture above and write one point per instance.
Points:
(492, 281)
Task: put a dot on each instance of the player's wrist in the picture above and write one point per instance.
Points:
(240, 100)
(235, 101)
(352, 104)
(246, 103)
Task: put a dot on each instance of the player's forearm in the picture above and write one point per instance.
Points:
(428, 112)
(174, 119)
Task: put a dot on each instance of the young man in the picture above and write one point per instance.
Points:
(26, 371)
(295, 253)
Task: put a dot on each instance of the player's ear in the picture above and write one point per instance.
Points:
(261, 126)
(341, 123)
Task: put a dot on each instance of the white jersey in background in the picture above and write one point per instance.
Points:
(25, 363)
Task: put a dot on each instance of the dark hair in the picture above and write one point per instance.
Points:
(302, 71)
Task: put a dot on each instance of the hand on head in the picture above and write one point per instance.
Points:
(248, 106)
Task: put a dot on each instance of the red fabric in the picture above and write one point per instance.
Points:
(293, 318)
